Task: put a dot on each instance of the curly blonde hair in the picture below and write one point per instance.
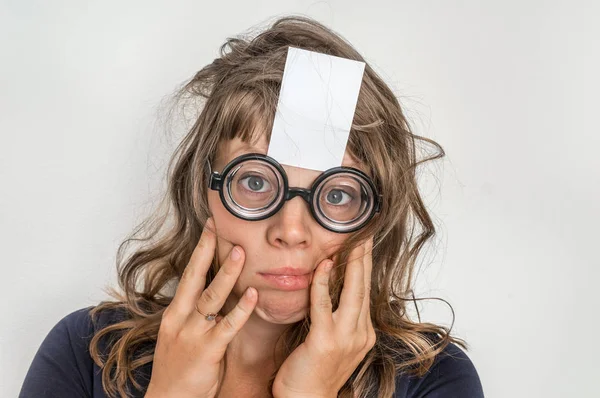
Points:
(236, 96)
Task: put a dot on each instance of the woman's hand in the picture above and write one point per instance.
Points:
(336, 343)
(188, 359)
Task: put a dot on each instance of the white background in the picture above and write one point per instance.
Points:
(508, 88)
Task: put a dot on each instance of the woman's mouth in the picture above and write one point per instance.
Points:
(288, 282)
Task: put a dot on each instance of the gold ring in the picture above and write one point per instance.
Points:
(209, 317)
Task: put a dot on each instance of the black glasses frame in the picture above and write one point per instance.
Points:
(216, 180)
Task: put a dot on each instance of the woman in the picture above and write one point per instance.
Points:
(202, 312)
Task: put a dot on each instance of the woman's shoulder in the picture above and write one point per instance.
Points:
(79, 326)
(452, 374)
(62, 365)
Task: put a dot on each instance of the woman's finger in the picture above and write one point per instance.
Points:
(226, 329)
(365, 312)
(194, 275)
(320, 300)
(213, 297)
(351, 299)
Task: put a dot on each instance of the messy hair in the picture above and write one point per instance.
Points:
(236, 95)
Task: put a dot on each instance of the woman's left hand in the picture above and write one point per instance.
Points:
(336, 343)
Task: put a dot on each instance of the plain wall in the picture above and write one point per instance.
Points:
(505, 87)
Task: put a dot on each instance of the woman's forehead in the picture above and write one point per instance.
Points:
(230, 149)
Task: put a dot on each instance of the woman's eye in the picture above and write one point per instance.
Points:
(338, 197)
(255, 183)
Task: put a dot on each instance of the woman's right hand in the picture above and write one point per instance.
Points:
(190, 350)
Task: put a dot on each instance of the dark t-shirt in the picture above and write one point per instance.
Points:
(63, 367)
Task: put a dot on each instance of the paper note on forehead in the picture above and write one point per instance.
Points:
(315, 110)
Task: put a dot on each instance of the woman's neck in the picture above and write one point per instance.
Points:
(253, 346)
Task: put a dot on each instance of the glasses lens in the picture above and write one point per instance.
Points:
(343, 201)
(253, 187)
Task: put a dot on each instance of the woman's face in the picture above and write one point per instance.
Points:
(291, 237)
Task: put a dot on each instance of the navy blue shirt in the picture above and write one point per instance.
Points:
(63, 367)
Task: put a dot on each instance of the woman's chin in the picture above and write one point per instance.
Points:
(282, 307)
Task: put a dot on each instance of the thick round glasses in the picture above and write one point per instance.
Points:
(254, 186)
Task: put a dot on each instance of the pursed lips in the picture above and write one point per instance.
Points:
(289, 278)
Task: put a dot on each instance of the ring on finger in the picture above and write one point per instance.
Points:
(209, 317)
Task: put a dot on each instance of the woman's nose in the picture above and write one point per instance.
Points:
(291, 224)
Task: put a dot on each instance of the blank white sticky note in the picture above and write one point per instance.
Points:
(315, 110)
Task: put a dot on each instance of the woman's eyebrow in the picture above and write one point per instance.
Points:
(246, 149)
(242, 150)
(352, 163)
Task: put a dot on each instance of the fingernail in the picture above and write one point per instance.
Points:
(329, 266)
(250, 292)
(235, 254)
